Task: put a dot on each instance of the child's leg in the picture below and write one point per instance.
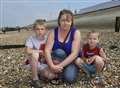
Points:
(79, 62)
(47, 73)
(34, 64)
(99, 63)
(87, 68)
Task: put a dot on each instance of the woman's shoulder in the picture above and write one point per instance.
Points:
(74, 28)
(77, 33)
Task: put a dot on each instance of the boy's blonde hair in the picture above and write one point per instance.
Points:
(39, 22)
(93, 31)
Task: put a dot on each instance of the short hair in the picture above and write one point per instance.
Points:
(93, 31)
(39, 22)
(65, 11)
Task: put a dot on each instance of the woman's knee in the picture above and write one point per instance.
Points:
(70, 73)
(59, 54)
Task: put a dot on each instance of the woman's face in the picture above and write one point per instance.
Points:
(65, 21)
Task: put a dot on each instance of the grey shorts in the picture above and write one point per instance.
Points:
(41, 66)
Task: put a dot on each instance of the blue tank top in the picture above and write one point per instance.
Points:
(67, 46)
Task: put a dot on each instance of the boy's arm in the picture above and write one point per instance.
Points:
(29, 51)
(103, 55)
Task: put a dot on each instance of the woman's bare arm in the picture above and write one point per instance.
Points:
(75, 50)
(48, 48)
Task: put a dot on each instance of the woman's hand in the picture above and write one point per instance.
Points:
(56, 68)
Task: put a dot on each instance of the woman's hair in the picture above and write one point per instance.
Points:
(65, 11)
(39, 22)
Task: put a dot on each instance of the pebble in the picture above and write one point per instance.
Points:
(11, 70)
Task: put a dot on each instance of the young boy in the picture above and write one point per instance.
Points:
(35, 45)
(93, 57)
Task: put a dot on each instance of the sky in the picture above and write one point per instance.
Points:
(24, 12)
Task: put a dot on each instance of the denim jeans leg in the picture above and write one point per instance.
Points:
(90, 68)
(59, 54)
(70, 73)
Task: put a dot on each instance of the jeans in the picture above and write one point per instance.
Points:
(90, 68)
(70, 72)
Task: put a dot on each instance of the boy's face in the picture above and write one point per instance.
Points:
(93, 39)
(40, 30)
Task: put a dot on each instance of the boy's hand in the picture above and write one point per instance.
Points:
(35, 51)
(90, 60)
(41, 53)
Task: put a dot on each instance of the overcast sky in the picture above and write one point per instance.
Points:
(24, 12)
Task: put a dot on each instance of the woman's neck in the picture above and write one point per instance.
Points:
(62, 34)
(63, 31)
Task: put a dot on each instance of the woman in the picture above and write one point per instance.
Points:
(62, 47)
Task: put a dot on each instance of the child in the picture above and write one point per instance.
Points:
(35, 45)
(93, 57)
